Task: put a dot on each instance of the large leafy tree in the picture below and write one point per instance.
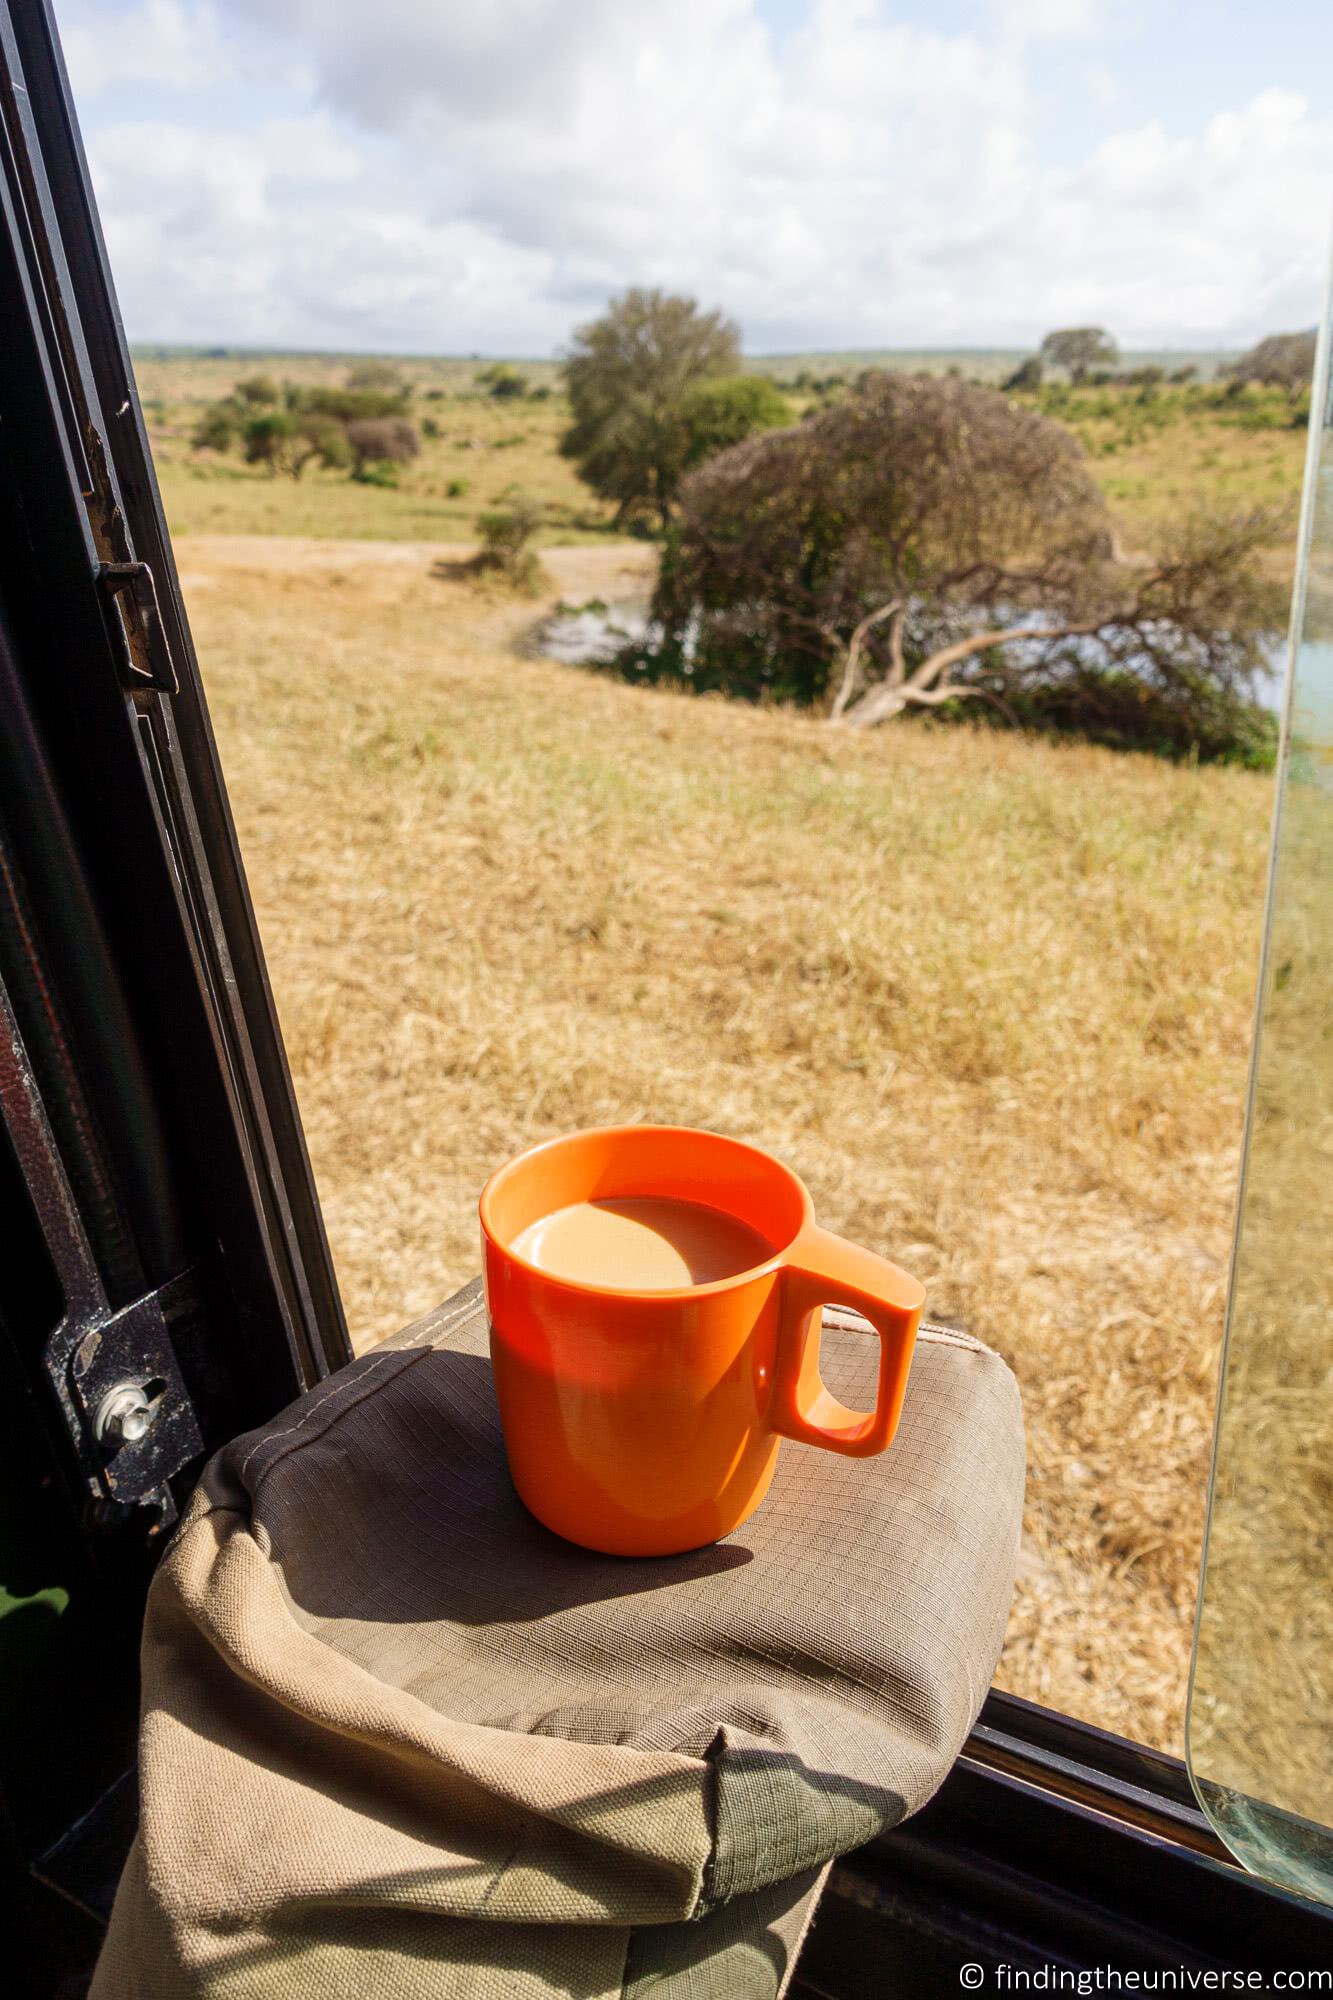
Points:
(1077, 349)
(1283, 358)
(628, 377)
(927, 541)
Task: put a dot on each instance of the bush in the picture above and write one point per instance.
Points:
(506, 533)
(219, 427)
(927, 542)
(377, 375)
(429, 427)
(259, 391)
(1284, 359)
(1026, 378)
(377, 472)
(380, 441)
(501, 380)
(347, 406)
(1201, 723)
(264, 439)
(457, 489)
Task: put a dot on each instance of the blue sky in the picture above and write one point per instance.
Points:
(462, 176)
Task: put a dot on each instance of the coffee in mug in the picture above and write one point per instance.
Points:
(655, 1296)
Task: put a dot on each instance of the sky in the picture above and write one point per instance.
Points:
(480, 176)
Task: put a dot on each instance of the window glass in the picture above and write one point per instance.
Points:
(982, 975)
(1261, 1702)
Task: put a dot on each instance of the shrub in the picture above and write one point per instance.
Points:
(506, 534)
(382, 376)
(928, 542)
(1026, 377)
(218, 427)
(264, 438)
(503, 381)
(1285, 359)
(347, 406)
(429, 427)
(380, 441)
(259, 391)
(457, 489)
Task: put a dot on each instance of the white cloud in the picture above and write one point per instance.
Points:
(480, 176)
(1054, 20)
(168, 43)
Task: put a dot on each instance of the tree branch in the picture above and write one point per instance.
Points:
(923, 690)
(851, 672)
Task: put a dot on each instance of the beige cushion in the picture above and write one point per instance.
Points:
(400, 1740)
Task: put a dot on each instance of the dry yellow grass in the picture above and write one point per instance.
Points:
(1263, 1694)
(990, 998)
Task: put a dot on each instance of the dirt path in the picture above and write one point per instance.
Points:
(599, 569)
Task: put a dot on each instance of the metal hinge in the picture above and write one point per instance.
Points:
(146, 664)
(124, 1399)
(118, 1384)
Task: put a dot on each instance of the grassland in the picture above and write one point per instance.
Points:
(1154, 453)
(990, 997)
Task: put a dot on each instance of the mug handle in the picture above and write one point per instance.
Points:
(824, 1269)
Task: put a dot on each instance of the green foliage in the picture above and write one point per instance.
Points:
(348, 406)
(1078, 349)
(328, 443)
(429, 427)
(628, 378)
(286, 428)
(507, 533)
(288, 441)
(265, 440)
(219, 426)
(376, 472)
(927, 542)
(502, 380)
(380, 376)
(457, 489)
(1199, 723)
(1026, 378)
(727, 409)
(1285, 360)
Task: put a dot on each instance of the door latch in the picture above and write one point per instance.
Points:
(146, 664)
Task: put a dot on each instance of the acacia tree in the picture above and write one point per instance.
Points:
(876, 557)
(1283, 358)
(628, 379)
(288, 441)
(1078, 349)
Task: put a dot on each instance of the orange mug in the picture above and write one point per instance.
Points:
(643, 1422)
